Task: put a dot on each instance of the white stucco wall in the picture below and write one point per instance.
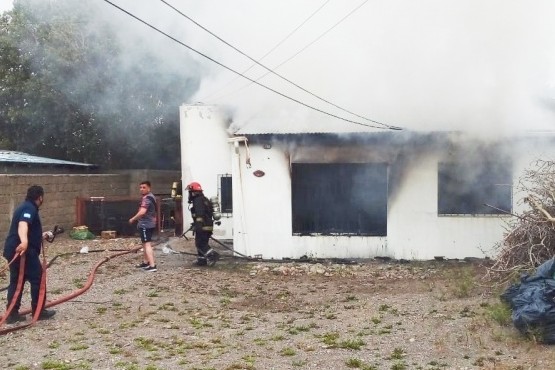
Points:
(415, 230)
(205, 154)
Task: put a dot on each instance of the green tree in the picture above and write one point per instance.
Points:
(71, 88)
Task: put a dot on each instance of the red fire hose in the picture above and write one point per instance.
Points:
(42, 293)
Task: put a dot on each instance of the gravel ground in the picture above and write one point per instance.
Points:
(265, 315)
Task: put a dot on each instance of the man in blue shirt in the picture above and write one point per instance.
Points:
(25, 237)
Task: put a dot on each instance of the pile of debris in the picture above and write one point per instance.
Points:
(530, 237)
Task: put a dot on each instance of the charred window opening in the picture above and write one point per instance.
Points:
(226, 198)
(339, 198)
(474, 188)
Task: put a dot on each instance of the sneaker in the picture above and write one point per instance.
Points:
(46, 314)
(142, 265)
(151, 268)
(14, 317)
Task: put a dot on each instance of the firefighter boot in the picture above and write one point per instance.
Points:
(212, 257)
(201, 261)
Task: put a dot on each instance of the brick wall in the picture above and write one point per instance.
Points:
(62, 190)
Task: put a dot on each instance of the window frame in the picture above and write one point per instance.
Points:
(359, 214)
(228, 211)
(490, 202)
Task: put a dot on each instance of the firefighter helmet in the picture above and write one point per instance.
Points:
(194, 186)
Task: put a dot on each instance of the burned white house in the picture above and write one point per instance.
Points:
(288, 192)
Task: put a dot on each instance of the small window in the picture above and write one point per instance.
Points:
(226, 197)
(339, 199)
(474, 188)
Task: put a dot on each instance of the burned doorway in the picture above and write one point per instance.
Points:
(339, 198)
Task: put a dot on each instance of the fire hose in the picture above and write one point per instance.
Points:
(219, 243)
(42, 292)
(50, 236)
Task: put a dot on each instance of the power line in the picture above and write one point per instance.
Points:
(234, 71)
(280, 76)
(274, 48)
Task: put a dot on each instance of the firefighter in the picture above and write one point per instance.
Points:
(203, 224)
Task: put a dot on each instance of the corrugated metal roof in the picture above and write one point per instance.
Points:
(8, 156)
(301, 124)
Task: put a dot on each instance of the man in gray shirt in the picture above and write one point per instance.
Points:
(146, 217)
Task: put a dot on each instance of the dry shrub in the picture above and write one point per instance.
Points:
(530, 237)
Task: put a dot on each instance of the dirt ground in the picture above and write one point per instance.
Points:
(243, 314)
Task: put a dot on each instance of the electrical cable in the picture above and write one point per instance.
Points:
(207, 97)
(248, 78)
(281, 76)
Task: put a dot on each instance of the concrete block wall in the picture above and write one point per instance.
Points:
(161, 180)
(62, 190)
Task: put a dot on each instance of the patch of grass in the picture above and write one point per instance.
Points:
(127, 365)
(101, 310)
(500, 313)
(352, 344)
(127, 325)
(233, 366)
(330, 339)
(145, 343)
(56, 365)
(168, 306)
(54, 344)
(397, 354)
(277, 337)
(399, 365)
(198, 323)
(260, 341)
(78, 347)
(115, 350)
(436, 365)
(249, 360)
(463, 281)
(78, 283)
(287, 351)
(152, 294)
(354, 363)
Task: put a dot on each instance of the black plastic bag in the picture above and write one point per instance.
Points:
(533, 305)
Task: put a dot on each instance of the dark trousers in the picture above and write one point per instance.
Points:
(201, 242)
(33, 273)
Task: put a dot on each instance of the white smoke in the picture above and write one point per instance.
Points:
(480, 66)
(486, 66)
